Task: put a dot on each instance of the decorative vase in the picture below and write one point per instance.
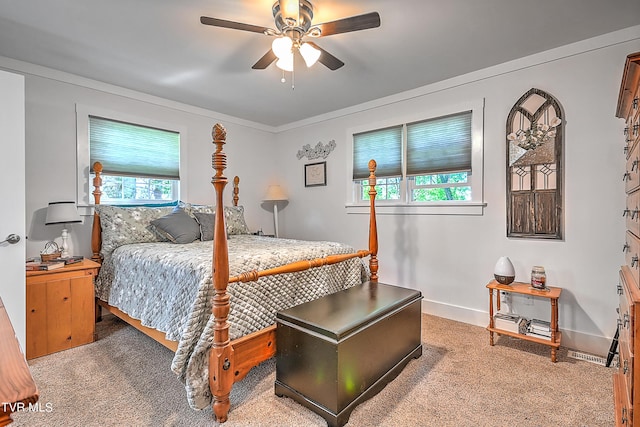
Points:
(504, 271)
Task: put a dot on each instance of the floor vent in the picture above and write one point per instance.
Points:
(591, 358)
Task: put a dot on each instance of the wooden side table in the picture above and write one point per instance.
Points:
(60, 308)
(551, 293)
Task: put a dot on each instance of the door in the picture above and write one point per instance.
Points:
(12, 195)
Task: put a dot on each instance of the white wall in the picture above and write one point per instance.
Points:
(51, 152)
(451, 258)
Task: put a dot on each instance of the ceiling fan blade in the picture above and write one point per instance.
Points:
(327, 59)
(265, 61)
(353, 23)
(231, 24)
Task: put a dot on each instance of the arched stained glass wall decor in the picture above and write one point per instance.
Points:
(534, 167)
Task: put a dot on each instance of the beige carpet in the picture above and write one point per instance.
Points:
(124, 379)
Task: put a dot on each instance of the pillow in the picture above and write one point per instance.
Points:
(191, 209)
(234, 218)
(121, 226)
(206, 221)
(233, 215)
(177, 226)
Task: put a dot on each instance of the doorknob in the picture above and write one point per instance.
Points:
(12, 239)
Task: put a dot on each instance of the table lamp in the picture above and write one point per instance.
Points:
(63, 213)
(275, 194)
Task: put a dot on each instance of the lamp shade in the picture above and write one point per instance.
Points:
(275, 193)
(309, 53)
(285, 63)
(62, 213)
(281, 46)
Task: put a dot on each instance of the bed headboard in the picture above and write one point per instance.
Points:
(96, 231)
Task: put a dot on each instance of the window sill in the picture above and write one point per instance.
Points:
(460, 208)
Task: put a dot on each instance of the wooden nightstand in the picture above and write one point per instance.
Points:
(60, 308)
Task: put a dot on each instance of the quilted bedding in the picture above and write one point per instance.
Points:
(169, 287)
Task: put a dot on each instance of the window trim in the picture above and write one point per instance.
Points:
(84, 180)
(473, 207)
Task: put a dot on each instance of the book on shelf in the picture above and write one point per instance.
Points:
(506, 321)
(44, 265)
(539, 335)
(540, 327)
(70, 260)
(541, 324)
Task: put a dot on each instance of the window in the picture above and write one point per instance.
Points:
(424, 166)
(140, 164)
(140, 157)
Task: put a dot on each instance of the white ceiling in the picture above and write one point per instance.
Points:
(160, 48)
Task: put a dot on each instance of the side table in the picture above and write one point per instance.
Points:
(551, 293)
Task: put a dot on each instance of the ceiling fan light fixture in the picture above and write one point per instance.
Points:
(309, 53)
(285, 62)
(281, 46)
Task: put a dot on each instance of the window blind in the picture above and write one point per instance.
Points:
(126, 149)
(440, 145)
(384, 146)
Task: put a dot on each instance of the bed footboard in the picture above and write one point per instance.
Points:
(231, 361)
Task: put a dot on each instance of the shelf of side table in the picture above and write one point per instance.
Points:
(551, 293)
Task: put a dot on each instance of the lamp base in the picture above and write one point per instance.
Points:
(275, 218)
(65, 248)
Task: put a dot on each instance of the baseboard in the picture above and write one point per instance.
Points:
(587, 343)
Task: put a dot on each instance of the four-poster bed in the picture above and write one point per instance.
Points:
(230, 351)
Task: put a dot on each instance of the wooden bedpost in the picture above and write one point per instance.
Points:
(96, 232)
(373, 228)
(221, 361)
(236, 190)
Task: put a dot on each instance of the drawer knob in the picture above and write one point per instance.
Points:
(619, 289)
(625, 367)
(635, 103)
(625, 248)
(626, 148)
(625, 212)
(635, 129)
(626, 176)
(634, 261)
(626, 131)
(624, 416)
(634, 165)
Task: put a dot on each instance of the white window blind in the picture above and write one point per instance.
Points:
(127, 149)
(383, 145)
(440, 145)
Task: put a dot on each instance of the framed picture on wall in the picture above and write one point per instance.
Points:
(315, 174)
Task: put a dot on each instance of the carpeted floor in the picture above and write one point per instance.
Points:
(124, 379)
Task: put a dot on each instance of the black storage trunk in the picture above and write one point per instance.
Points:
(337, 351)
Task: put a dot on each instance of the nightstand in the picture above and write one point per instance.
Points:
(60, 308)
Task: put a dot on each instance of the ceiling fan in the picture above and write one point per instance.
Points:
(293, 22)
